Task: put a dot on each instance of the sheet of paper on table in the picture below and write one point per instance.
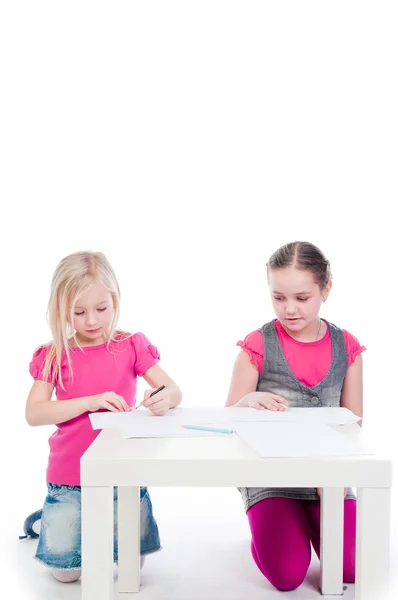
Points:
(300, 440)
(190, 416)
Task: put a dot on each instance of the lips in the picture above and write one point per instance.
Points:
(92, 330)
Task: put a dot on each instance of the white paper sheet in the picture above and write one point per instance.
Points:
(190, 416)
(298, 440)
(123, 420)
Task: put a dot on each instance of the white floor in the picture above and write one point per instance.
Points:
(206, 554)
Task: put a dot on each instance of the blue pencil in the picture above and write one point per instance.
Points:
(203, 428)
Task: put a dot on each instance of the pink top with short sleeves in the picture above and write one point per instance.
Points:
(309, 361)
(96, 369)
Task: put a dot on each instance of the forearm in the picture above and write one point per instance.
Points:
(52, 412)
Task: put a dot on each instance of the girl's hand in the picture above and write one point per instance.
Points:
(318, 491)
(106, 401)
(262, 400)
(160, 403)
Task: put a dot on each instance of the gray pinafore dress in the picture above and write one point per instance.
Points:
(277, 377)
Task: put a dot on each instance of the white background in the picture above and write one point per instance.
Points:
(188, 141)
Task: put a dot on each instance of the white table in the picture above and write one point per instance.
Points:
(220, 461)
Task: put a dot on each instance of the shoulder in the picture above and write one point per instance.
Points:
(270, 327)
(335, 330)
(333, 326)
(351, 342)
(41, 352)
(349, 338)
(353, 345)
(144, 354)
(253, 339)
(37, 363)
(141, 344)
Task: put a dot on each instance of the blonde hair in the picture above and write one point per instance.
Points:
(74, 275)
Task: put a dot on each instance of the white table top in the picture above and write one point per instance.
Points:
(223, 460)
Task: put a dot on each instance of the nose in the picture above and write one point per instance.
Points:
(91, 319)
(291, 307)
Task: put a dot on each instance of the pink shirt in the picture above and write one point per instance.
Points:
(95, 370)
(309, 361)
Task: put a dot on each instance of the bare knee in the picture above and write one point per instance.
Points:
(66, 576)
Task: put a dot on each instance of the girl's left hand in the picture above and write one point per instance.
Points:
(318, 491)
(160, 403)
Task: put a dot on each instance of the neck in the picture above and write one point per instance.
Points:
(311, 333)
(85, 342)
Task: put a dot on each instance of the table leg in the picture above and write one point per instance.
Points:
(332, 522)
(372, 571)
(97, 543)
(129, 539)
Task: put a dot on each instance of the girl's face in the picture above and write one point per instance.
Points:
(296, 298)
(93, 315)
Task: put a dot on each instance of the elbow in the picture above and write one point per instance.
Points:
(30, 419)
(179, 396)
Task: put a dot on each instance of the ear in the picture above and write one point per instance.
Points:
(326, 290)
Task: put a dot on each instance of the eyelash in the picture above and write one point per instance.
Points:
(300, 299)
(82, 313)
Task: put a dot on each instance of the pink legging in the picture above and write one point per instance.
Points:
(282, 532)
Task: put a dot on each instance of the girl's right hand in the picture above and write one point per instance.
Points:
(107, 401)
(262, 400)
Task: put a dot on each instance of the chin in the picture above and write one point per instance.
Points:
(300, 325)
